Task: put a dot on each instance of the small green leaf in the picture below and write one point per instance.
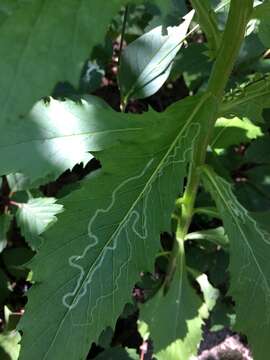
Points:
(249, 265)
(35, 216)
(146, 62)
(233, 131)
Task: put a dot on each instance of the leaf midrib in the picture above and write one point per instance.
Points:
(72, 135)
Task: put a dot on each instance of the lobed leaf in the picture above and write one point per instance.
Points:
(184, 309)
(249, 265)
(177, 311)
(56, 135)
(109, 233)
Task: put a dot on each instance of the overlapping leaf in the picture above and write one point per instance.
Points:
(146, 62)
(181, 313)
(177, 311)
(249, 265)
(43, 42)
(56, 135)
(109, 233)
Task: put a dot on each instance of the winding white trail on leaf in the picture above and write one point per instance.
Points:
(71, 299)
(74, 258)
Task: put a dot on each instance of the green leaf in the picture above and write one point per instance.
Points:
(233, 131)
(43, 43)
(35, 216)
(9, 345)
(5, 220)
(109, 233)
(187, 346)
(193, 62)
(146, 63)
(249, 265)
(248, 101)
(118, 354)
(56, 135)
(177, 311)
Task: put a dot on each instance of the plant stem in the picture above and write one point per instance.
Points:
(239, 15)
(232, 38)
(176, 259)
